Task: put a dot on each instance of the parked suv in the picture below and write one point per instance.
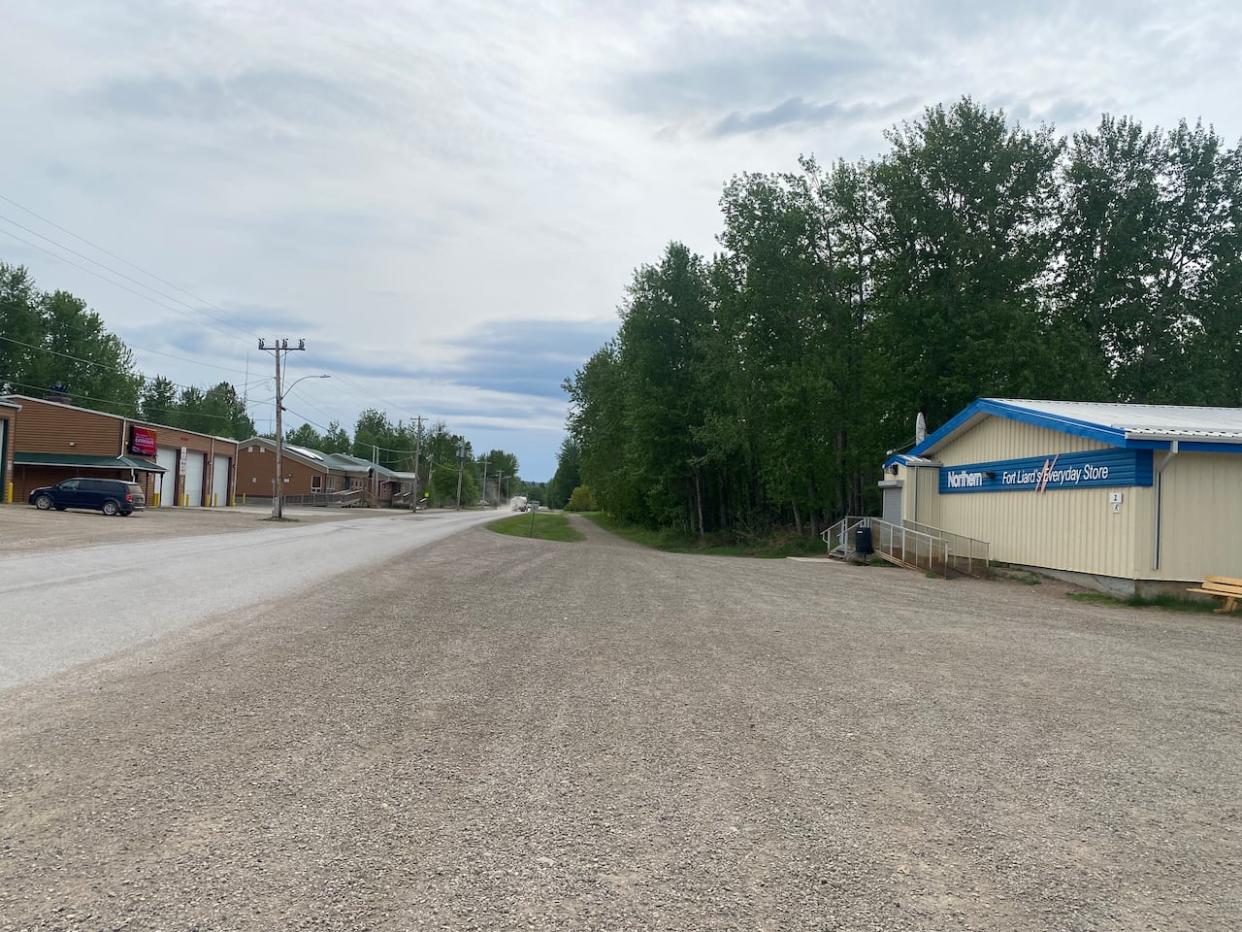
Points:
(111, 496)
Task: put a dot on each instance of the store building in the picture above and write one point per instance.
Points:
(53, 441)
(1126, 498)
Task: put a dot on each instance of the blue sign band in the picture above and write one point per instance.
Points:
(1092, 469)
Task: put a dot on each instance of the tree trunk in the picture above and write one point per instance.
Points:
(797, 520)
(810, 490)
(698, 500)
(843, 488)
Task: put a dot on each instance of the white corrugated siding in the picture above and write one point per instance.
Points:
(1202, 518)
(996, 438)
(1072, 529)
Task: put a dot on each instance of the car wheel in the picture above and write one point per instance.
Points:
(43, 502)
(110, 508)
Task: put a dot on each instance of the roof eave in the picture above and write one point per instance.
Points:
(980, 407)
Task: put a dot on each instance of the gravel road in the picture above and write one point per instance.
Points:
(24, 529)
(495, 733)
(63, 608)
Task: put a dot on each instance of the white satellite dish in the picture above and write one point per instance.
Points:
(920, 428)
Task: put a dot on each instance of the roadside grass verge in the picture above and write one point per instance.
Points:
(545, 527)
(1169, 603)
(677, 542)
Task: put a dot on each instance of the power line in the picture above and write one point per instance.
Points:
(196, 362)
(91, 362)
(113, 255)
(116, 284)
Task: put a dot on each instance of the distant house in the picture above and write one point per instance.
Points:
(307, 472)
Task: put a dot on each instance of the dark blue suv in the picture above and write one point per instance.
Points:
(111, 496)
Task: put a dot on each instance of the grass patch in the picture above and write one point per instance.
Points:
(1170, 603)
(539, 525)
(777, 547)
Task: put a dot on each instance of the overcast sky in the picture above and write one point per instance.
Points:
(447, 199)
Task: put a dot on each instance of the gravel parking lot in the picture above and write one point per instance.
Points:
(24, 529)
(496, 733)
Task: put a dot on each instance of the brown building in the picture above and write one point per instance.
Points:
(52, 441)
(306, 471)
(312, 472)
(8, 414)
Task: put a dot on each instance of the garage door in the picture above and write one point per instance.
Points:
(166, 484)
(220, 481)
(195, 470)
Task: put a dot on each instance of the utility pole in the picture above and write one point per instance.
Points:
(418, 445)
(278, 349)
(500, 489)
(461, 468)
(485, 480)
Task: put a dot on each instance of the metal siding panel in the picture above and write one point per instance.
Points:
(1073, 530)
(1202, 517)
(50, 428)
(999, 438)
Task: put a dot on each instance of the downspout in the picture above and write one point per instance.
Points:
(914, 499)
(1160, 467)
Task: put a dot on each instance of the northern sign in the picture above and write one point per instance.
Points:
(1091, 469)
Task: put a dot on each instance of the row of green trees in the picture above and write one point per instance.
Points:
(51, 342)
(974, 258)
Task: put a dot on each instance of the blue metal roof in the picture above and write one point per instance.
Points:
(1143, 427)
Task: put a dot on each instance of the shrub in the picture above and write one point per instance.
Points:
(580, 500)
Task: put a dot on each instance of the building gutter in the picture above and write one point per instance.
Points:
(1159, 480)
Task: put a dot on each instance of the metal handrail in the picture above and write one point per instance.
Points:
(913, 544)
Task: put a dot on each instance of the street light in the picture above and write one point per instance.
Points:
(278, 501)
(304, 378)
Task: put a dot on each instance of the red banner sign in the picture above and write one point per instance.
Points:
(142, 441)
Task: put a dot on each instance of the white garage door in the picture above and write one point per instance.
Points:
(195, 470)
(220, 481)
(166, 484)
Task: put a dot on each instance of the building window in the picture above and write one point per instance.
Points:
(316, 483)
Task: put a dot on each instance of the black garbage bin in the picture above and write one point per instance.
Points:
(862, 540)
